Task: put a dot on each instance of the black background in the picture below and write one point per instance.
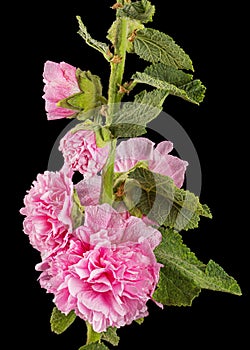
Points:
(213, 37)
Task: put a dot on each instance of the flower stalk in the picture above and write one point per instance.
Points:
(117, 65)
(92, 336)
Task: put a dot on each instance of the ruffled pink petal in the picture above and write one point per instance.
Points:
(138, 231)
(164, 147)
(89, 190)
(130, 152)
(168, 165)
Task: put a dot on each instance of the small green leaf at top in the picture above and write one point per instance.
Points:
(140, 10)
(60, 322)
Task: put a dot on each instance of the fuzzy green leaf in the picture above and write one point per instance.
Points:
(60, 322)
(153, 98)
(133, 113)
(172, 80)
(132, 119)
(183, 275)
(127, 130)
(146, 107)
(140, 320)
(155, 46)
(156, 196)
(140, 10)
(99, 46)
(110, 336)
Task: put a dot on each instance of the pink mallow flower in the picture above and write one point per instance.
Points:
(130, 152)
(47, 208)
(108, 272)
(89, 190)
(60, 82)
(81, 153)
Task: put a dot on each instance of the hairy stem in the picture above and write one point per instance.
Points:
(117, 67)
(107, 195)
(92, 336)
(114, 99)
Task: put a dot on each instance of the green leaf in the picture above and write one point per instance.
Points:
(110, 336)
(60, 322)
(140, 320)
(172, 80)
(218, 279)
(94, 346)
(153, 98)
(127, 130)
(136, 113)
(99, 46)
(131, 120)
(156, 196)
(155, 46)
(140, 10)
(183, 275)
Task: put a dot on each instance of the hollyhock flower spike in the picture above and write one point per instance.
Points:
(111, 244)
(60, 82)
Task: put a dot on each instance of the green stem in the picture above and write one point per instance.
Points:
(114, 99)
(107, 195)
(92, 336)
(117, 67)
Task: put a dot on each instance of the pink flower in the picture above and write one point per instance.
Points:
(47, 208)
(81, 153)
(108, 272)
(130, 152)
(60, 82)
(89, 190)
